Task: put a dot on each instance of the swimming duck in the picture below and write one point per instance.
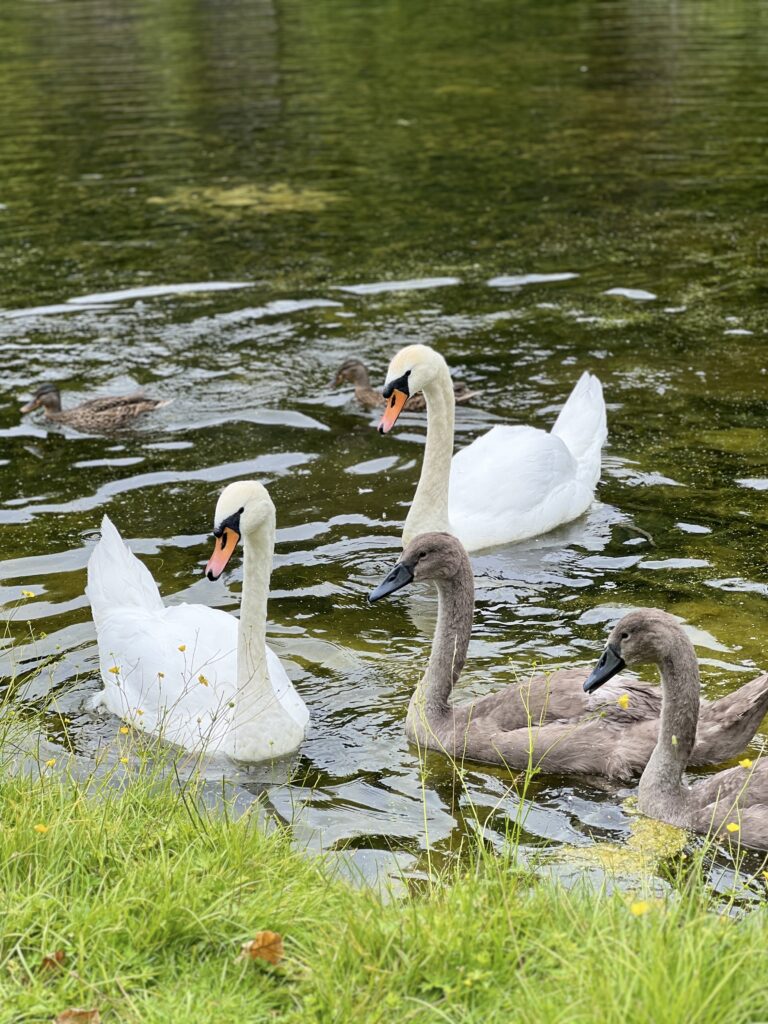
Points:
(188, 673)
(549, 722)
(730, 804)
(512, 482)
(97, 414)
(355, 372)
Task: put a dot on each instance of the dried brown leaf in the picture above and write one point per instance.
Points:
(263, 946)
(77, 1015)
(53, 962)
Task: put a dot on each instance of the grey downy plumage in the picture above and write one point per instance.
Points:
(548, 718)
(730, 804)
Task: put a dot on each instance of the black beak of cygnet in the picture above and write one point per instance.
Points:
(610, 664)
(399, 577)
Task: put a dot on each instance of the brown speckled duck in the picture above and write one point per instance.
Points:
(97, 414)
(547, 721)
(732, 804)
(355, 372)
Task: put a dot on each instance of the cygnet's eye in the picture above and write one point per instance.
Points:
(624, 635)
(422, 554)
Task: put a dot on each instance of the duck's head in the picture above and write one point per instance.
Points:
(644, 636)
(46, 395)
(353, 371)
(412, 370)
(430, 556)
(243, 507)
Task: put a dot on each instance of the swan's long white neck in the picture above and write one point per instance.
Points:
(429, 511)
(254, 687)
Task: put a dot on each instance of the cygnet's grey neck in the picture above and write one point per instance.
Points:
(661, 792)
(456, 601)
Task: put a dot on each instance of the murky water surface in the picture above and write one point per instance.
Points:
(221, 201)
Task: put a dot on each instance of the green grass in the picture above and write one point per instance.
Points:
(150, 903)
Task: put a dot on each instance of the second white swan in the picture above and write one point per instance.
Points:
(512, 482)
(188, 673)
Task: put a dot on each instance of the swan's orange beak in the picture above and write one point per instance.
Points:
(225, 546)
(395, 405)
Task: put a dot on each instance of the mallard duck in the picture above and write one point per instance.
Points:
(355, 372)
(188, 673)
(730, 804)
(97, 414)
(510, 483)
(547, 721)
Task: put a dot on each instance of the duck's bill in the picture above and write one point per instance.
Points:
(610, 664)
(398, 578)
(30, 406)
(395, 405)
(222, 552)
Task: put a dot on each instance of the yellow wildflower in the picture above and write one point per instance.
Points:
(50, 762)
(123, 760)
(161, 675)
(28, 593)
(746, 763)
(202, 680)
(639, 907)
(182, 647)
(42, 829)
(732, 826)
(623, 701)
(765, 876)
(114, 670)
(139, 711)
(124, 730)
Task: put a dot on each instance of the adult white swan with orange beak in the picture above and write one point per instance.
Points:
(512, 482)
(191, 674)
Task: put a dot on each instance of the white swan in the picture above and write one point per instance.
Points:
(510, 483)
(187, 673)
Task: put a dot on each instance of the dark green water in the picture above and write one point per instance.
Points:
(293, 149)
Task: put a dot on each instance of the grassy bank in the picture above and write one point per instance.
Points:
(147, 905)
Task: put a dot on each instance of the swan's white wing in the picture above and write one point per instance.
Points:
(185, 695)
(283, 687)
(512, 483)
(116, 577)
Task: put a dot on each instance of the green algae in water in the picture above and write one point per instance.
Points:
(229, 201)
(649, 845)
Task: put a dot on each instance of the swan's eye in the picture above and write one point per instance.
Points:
(422, 554)
(624, 636)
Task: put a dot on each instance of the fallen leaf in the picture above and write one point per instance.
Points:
(53, 961)
(77, 1015)
(263, 946)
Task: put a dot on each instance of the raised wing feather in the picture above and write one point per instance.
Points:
(511, 483)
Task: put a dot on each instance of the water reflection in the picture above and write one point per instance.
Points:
(513, 190)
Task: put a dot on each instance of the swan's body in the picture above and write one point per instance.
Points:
(512, 482)
(97, 414)
(546, 722)
(732, 803)
(356, 372)
(188, 673)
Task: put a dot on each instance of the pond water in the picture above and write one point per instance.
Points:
(222, 201)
